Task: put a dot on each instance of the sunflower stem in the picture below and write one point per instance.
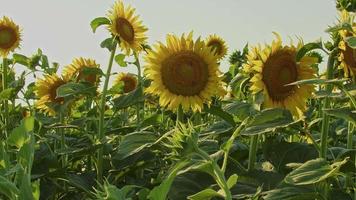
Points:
(140, 87)
(325, 117)
(180, 114)
(219, 174)
(230, 142)
(252, 153)
(349, 145)
(101, 115)
(4, 87)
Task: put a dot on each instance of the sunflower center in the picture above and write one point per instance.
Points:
(350, 57)
(7, 37)
(280, 69)
(215, 47)
(125, 29)
(129, 84)
(185, 73)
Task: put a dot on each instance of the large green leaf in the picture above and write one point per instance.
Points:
(133, 143)
(313, 171)
(160, 192)
(129, 99)
(99, 21)
(239, 110)
(351, 42)
(75, 89)
(20, 135)
(218, 111)
(343, 113)
(308, 47)
(267, 121)
(291, 193)
(120, 60)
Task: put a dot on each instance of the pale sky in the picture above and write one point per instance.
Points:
(61, 28)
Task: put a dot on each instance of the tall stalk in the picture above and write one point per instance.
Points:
(180, 114)
(325, 117)
(140, 87)
(252, 152)
(4, 87)
(101, 133)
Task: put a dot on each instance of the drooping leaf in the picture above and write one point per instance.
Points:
(343, 113)
(267, 121)
(206, 194)
(129, 99)
(313, 171)
(20, 135)
(120, 60)
(351, 42)
(75, 89)
(218, 111)
(99, 21)
(291, 193)
(308, 47)
(108, 43)
(160, 192)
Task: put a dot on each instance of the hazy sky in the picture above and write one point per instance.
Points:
(61, 28)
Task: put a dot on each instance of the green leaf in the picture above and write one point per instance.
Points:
(99, 21)
(7, 94)
(133, 143)
(126, 100)
(308, 47)
(291, 193)
(339, 27)
(313, 171)
(160, 192)
(240, 110)
(232, 180)
(351, 42)
(26, 188)
(20, 135)
(343, 113)
(206, 194)
(21, 59)
(75, 89)
(108, 43)
(218, 111)
(268, 120)
(8, 188)
(119, 59)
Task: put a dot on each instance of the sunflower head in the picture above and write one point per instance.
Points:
(275, 66)
(184, 73)
(46, 92)
(347, 55)
(127, 26)
(76, 71)
(217, 45)
(10, 36)
(129, 81)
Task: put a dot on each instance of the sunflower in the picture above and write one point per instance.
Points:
(129, 81)
(75, 70)
(127, 27)
(10, 36)
(217, 45)
(274, 66)
(46, 91)
(347, 56)
(184, 73)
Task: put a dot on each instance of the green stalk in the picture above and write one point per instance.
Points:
(63, 142)
(326, 118)
(252, 153)
(349, 145)
(101, 133)
(140, 87)
(219, 174)
(230, 142)
(4, 87)
(180, 114)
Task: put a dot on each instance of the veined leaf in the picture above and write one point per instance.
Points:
(313, 171)
(99, 21)
(343, 113)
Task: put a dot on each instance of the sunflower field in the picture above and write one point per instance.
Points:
(279, 124)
